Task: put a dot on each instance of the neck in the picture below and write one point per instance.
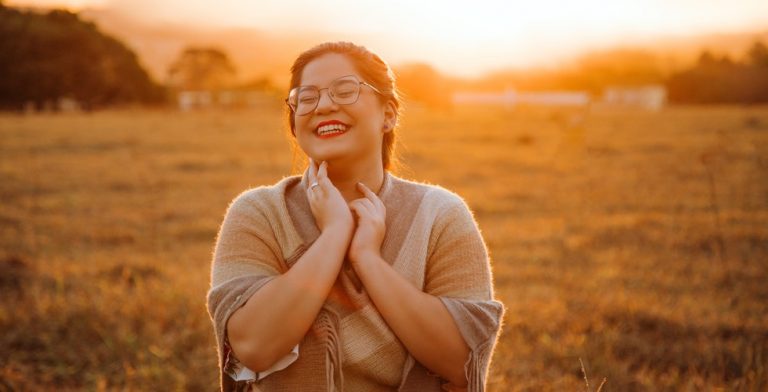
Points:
(346, 177)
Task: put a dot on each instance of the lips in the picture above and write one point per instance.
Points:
(331, 128)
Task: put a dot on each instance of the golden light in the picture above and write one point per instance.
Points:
(67, 4)
(456, 36)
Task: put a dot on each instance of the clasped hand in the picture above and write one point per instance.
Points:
(365, 216)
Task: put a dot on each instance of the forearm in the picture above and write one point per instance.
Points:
(419, 320)
(278, 315)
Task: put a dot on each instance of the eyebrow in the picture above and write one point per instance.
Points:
(340, 77)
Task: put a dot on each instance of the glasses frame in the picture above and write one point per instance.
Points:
(330, 94)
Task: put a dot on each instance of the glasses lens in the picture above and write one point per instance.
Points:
(293, 98)
(345, 91)
(303, 99)
(307, 100)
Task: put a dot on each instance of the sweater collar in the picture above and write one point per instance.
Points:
(301, 214)
(386, 185)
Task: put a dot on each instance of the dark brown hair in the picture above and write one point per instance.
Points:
(371, 67)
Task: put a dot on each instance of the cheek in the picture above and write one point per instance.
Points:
(301, 125)
(301, 139)
(304, 146)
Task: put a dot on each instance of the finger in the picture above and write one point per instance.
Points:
(311, 172)
(366, 205)
(355, 213)
(319, 190)
(311, 193)
(369, 205)
(322, 177)
(370, 196)
(360, 210)
(311, 198)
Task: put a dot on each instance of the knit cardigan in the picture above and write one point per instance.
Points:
(431, 239)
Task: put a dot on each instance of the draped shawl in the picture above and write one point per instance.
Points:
(432, 240)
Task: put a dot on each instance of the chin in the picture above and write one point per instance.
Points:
(320, 156)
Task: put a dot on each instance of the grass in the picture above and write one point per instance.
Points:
(634, 241)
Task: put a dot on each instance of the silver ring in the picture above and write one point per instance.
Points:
(313, 185)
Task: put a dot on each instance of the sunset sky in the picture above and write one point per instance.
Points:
(455, 36)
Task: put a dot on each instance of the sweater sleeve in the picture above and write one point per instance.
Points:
(245, 258)
(459, 274)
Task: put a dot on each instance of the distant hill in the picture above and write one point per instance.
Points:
(258, 54)
(255, 53)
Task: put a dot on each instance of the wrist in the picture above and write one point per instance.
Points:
(339, 229)
(367, 266)
(366, 257)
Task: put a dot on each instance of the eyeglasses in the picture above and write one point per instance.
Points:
(343, 91)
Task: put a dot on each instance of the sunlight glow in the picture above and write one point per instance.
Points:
(458, 36)
(67, 4)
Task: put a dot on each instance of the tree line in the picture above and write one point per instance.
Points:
(49, 56)
(711, 79)
(55, 55)
(716, 79)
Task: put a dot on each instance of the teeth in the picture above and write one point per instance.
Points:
(332, 128)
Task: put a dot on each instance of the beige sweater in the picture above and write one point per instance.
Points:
(431, 239)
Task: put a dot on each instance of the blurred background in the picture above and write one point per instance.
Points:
(614, 154)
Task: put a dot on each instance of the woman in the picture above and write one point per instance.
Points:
(347, 277)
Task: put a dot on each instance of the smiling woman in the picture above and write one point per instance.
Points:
(348, 277)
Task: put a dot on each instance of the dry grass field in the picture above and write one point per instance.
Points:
(636, 242)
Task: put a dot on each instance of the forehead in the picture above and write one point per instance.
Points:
(324, 69)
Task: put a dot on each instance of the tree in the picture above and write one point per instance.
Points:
(758, 54)
(55, 55)
(422, 83)
(202, 69)
(597, 71)
(722, 80)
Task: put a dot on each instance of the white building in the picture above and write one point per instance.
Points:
(191, 100)
(652, 97)
(510, 98)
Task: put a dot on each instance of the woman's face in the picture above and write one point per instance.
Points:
(341, 134)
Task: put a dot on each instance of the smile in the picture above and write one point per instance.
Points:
(328, 129)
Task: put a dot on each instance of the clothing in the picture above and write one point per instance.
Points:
(239, 372)
(431, 239)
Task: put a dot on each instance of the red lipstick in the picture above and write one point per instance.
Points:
(330, 128)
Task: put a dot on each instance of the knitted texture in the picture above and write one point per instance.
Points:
(432, 240)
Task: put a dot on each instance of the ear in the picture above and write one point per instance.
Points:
(390, 117)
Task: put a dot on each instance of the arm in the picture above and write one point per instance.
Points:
(419, 319)
(278, 315)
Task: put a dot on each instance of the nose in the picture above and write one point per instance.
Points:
(325, 103)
